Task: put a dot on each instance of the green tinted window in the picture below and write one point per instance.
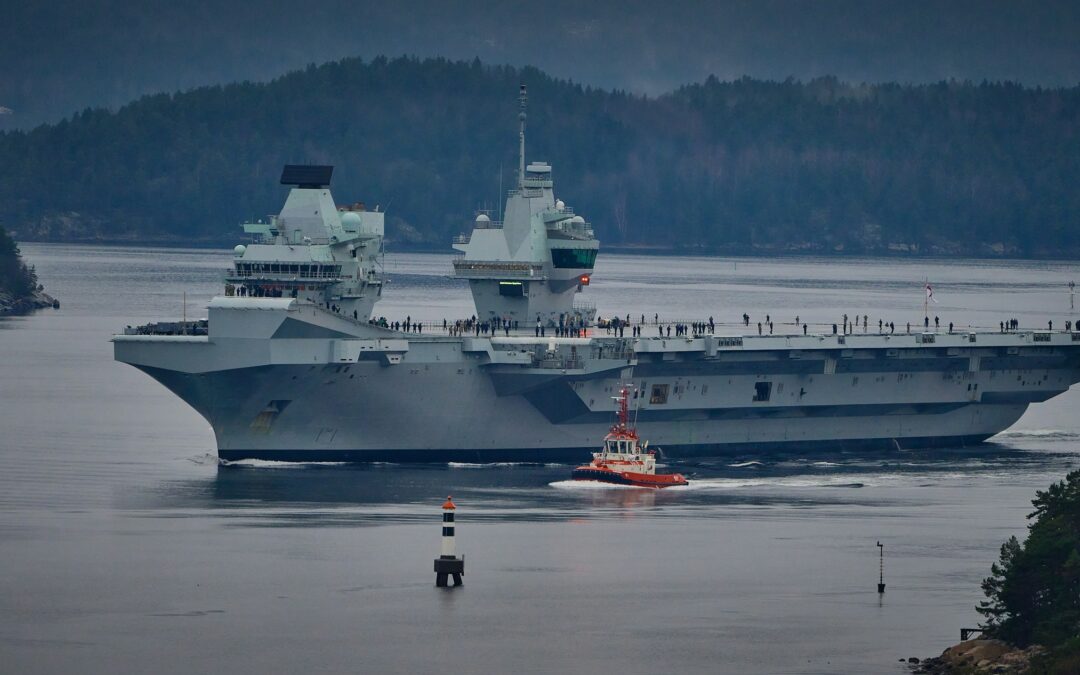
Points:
(573, 258)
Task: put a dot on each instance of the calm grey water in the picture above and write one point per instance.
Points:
(124, 547)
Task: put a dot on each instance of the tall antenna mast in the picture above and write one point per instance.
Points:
(522, 100)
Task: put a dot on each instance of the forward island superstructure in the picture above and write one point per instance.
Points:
(290, 366)
(313, 250)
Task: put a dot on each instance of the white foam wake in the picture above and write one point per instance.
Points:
(274, 464)
(1037, 433)
(490, 465)
(790, 482)
(592, 485)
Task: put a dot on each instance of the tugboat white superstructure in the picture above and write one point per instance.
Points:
(290, 366)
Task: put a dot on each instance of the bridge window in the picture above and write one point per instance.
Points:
(573, 258)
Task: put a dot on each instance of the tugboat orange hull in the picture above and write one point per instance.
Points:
(606, 475)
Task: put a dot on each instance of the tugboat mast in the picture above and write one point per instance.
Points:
(623, 425)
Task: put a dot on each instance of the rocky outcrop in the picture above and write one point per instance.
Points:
(39, 299)
(975, 657)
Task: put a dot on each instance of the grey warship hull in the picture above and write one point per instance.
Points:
(290, 365)
(311, 386)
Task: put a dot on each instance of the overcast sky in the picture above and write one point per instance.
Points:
(61, 56)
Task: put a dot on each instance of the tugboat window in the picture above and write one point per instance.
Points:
(762, 390)
(659, 394)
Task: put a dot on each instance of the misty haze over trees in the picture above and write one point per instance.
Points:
(65, 55)
(739, 166)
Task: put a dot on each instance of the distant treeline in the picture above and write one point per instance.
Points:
(744, 166)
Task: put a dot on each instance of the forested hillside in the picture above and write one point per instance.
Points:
(743, 166)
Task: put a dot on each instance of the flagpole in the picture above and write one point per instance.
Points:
(926, 299)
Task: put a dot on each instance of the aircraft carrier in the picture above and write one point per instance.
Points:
(290, 365)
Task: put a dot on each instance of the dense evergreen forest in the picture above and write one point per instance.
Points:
(743, 166)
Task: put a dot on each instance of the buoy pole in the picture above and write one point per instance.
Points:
(448, 563)
(448, 547)
(881, 568)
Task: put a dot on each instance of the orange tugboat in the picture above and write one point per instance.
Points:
(623, 460)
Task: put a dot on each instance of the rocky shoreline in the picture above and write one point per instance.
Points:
(39, 299)
(975, 657)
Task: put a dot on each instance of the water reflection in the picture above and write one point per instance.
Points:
(285, 495)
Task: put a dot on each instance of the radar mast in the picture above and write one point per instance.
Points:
(522, 100)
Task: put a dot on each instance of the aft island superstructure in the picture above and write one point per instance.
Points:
(289, 365)
(529, 266)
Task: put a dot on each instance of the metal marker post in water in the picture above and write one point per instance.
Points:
(881, 568)
(448, 562)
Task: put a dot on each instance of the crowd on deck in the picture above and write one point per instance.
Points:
(576, 326)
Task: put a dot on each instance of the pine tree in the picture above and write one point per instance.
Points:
(15, 277)
(1033, 591)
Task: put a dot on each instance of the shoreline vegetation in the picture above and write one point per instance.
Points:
(740, 167)
(628, 249)
(226, 243)
(1032, 605)
(20, 292)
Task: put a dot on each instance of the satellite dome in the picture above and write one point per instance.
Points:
(483, 218)
(577, 220)
(239, 250)
(350, 219)
(560, 204)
